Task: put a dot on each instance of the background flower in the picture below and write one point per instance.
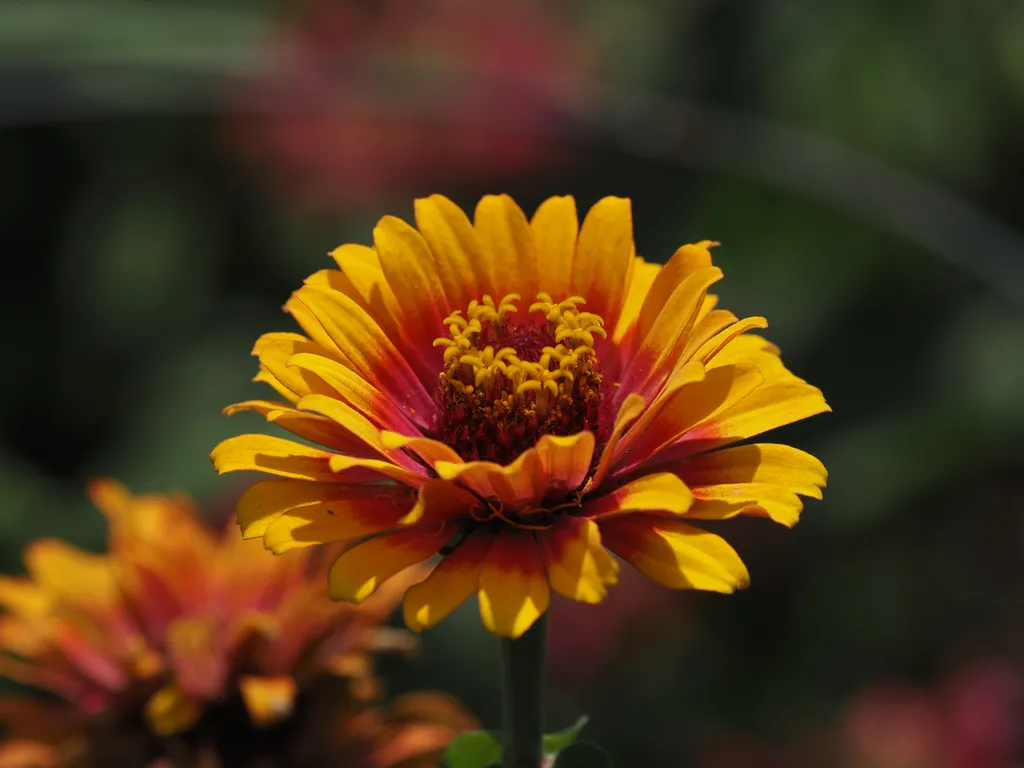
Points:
(183, 643)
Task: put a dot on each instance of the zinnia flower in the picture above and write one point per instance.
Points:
(183, 644)
(519, 397)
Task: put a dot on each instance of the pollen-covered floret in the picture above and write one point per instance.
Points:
(511, 377)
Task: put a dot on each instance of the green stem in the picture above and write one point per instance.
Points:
(522, 662)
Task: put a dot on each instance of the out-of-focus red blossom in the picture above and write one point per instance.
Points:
(187, 645)
(972, 720)
(583, 639)
(361, 100)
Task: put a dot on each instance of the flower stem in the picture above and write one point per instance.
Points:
(522, 662)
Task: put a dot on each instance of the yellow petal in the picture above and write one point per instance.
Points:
(514, 590)
(23, 597)
(273, 455)
(274, 351)
(684, 262)
(358, 572)
(308, 426)
(577, 565)
(767, 407)
(458, 254)
(170, 711)
(72, 574)
(268, 699)
(662, 492)
(265, 501)
(643, 278)
(505, 233)
(675, 554)
(431, 451)
(770, 463)
(349, 513)
(603, 255)
(555, 228)
(353, 422)
(718, 342)
(455, 579)
(720, 502)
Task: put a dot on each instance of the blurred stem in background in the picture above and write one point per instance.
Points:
(522, 685)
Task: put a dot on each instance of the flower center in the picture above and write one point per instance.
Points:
(511, 377)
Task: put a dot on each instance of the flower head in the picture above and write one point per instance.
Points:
(181, 635)
(520, 397)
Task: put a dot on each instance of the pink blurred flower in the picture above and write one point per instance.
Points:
(583, 639)
(361, 99)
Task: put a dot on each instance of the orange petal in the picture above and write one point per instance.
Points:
(630, 410)
(355, 390)
(659, 351)
(565, 460)
(675, 554)
(364, 281)
(409, 266)
(371, 353)
(453, 581)
(519, 485)
(697, 403)
(197, 654)
(505, 233)
(603, 255)
(578, 567)
(440, 501)
(661, 492)
(514, 590)
(555, 229)
(268, 699)
(358, 572)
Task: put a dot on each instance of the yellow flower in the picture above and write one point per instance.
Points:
(519, 397)
(200, 636)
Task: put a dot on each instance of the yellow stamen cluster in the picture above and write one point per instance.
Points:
(520, 374)
(572, 331)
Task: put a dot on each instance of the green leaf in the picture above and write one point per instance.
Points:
(583, 755)
(556, 742)
(476, 749)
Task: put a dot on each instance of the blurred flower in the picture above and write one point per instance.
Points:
(973, 721)
(518, 444)
(364, 99)
(622, 622)
(186, 645)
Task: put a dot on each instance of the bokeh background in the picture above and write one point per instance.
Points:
(170, 171)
